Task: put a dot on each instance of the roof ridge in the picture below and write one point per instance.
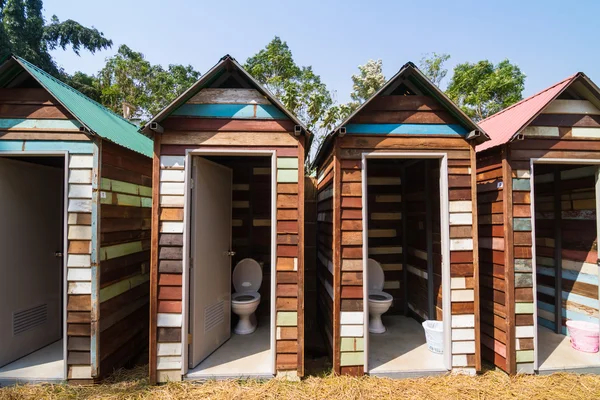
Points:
(77, 92)
(528, 98)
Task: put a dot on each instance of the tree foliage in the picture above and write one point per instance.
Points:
(129, 77)
(298, 88)
(483, 89)
(24, 32)
(432, 65)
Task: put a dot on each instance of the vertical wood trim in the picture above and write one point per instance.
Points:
(301, 143)
(404, 237)
(429, 239)
(95, 261)
(475, 234)
(337, 229)
(557, 253)
(152, 349)
(507, 208)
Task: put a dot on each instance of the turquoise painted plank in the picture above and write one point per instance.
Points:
(546, 323)
(522, 224)
(575, 316)
(545, 289)
(40, 145)
(407, 129)
(521, 184)
(545, 271)
(579, 277)
(243, 111)
(575, 298)
(545, 306)
(23, 123)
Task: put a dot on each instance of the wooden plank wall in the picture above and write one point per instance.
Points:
(492, 279)
(125, 222)
(313, 339)
(325, 293)
(575, 223)
(567, 129)
(463, 240)
(31, 120)
(226, 129)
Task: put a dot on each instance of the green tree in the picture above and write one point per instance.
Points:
(483, 89)
(24, 32)
(129, 77)
(432, 65)
(298, 88)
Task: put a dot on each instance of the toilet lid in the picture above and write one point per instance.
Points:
(247, 276)
(375, 275)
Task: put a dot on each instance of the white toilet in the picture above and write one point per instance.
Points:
(379, 301)
(247, 278)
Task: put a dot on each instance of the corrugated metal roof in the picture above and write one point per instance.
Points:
(506, 124)
(439, 95)
(92, 115)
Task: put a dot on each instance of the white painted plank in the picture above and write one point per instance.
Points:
(461, 219)
(80, 176)
(80, 232)
(460, 206)
(79, 260)
(463, 347)
(80, 205)
(585, 132)
(172, 188)
(172, 162)
(541, 131)
(172, 201)
(458, 283)
(462, 295)
(460, 360)
(463, 321)
(523, 173)
(228, 96)
(351, 330)
(77, 191)
(524, 331)
(172, 175)
(463, 334)
(79, 288)
(169, 320)
(560, 106)
(461, 244)
(351, 317)
(169, 349)
(81, 161)
(168, 363)
(80, 372)
(79, 274)
(171, 227)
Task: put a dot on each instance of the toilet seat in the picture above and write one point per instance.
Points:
(247, 276)
(378, 296)
(245, 297)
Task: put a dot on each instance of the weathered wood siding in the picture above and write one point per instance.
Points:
(124, 242)
(199, 125)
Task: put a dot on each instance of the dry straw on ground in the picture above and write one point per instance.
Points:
(491, 385)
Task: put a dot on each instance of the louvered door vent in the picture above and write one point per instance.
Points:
(214, 315)
(27, 319)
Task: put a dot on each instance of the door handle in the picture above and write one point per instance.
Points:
(229, 253)
(58, 254)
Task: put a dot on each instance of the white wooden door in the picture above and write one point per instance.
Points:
(31, 225)
(210, 309)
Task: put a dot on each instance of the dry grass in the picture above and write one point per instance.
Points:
(491, 385)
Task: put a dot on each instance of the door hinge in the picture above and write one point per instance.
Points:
(191, 184)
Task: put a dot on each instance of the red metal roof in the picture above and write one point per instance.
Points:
(504, 125)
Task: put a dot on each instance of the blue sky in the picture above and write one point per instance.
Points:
(549, 40)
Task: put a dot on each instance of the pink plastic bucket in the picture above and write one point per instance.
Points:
(585, 336)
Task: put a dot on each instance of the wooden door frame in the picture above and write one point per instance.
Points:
(189, 154)
(445, 244)
(555, 161)
(65, 155)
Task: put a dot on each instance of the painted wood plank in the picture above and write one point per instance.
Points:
(524, 308)
(80, 205)
(172, 201)
(35, 145)
(461, 244)
(239, 111)
(463, 334)
(351, 317)
(525, 356)
(172, 188)
(463, 321)
(541, 131)
(407, 129)
(287, 318)
(169, 320)
(119, 250)
(109, 292)
(171, 227)
(348, 359)
(80, 372)
(26, 123)
(560, 106)
(172, 175)
(352, 344)
(78, 260)
(167, 363)
(524, 331)
(228, 96)
(462, 295)
(80, 191)
(458, 283)
(80, 176)
(461, 219)
(79, 232)
(585, 132)
(287, 163)
(172, 162)
(467, 347)
(287, 176)
(521, 184)
(79, 274)
(351, 331)
(460, 206)
(79, 288)
(169, 349)
(81, 161)
(522, 224)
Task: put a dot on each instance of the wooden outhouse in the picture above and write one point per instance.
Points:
(75, 187)
(538, 228)
(396, 185)
(228, 179)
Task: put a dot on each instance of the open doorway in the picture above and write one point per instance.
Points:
(566, 263)
(32, 291)
(232, 260)
(405, 269)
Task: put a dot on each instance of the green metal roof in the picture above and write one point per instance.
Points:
(92, 115)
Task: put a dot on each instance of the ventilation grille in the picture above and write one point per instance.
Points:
(30, 318)
(214, 315)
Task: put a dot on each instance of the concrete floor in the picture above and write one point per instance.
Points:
(45, 365)
(241, 356)
(556, 354)
(402, 350)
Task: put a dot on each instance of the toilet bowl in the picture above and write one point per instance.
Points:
(379, 301)
(247, 278)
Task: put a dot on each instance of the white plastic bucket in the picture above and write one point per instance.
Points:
(434, 334)
(584, 336)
